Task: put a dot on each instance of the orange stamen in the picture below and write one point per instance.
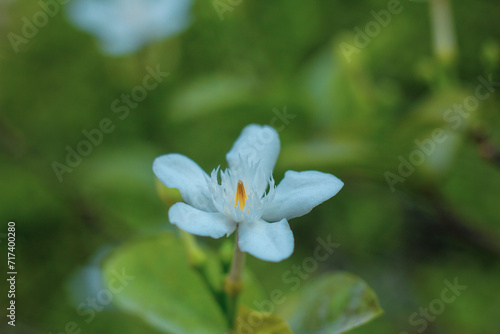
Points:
(241, 196)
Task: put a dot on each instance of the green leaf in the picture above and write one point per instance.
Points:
(208, 95)
(164, 290)
(334, 303)
(255, 322)
(252, 290)
(120, 183)
(342, 150)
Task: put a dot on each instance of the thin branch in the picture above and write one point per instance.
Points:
(486, 148)
(456, 226)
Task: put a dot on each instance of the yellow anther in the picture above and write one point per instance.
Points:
(241, 196)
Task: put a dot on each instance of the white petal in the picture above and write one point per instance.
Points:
(123, 26)
(267, 241)
(257, 145)
(205, 224)
(299, 192)
(178, 171)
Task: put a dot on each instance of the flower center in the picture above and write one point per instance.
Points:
(241, 193)
(241, 196)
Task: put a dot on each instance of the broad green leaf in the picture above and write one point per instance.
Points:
(163, 289)
(252, 290)
(255, 322)
(334, 303)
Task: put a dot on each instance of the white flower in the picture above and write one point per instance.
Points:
(244, 195)
(124, 26)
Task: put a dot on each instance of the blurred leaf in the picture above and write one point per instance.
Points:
(90, 320)
(164, 290)
(340, 92)
(369, 209)
(472, 189)
(334, 303)
(316, 83)
(470, 307)
(24, 187)
(439, 109)
(337, 151)
(251, 321)
(121, 182)
(433, 134)
(353, 91)
(253, 291)
(209, 94)
(169, 196)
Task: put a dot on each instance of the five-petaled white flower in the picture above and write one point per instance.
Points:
(244, 195)
(124, 26)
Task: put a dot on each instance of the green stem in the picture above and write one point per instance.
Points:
(234, 282)
(444, 40)
(197, 260)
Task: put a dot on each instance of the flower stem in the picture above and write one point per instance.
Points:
(445, 46)
(234, 281)
(198, 261)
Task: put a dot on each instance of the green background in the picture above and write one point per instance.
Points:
(353, 119)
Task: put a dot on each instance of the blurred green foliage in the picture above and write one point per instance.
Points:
(352, 119)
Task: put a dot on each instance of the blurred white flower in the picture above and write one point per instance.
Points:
(240, 200)
(124, 26)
